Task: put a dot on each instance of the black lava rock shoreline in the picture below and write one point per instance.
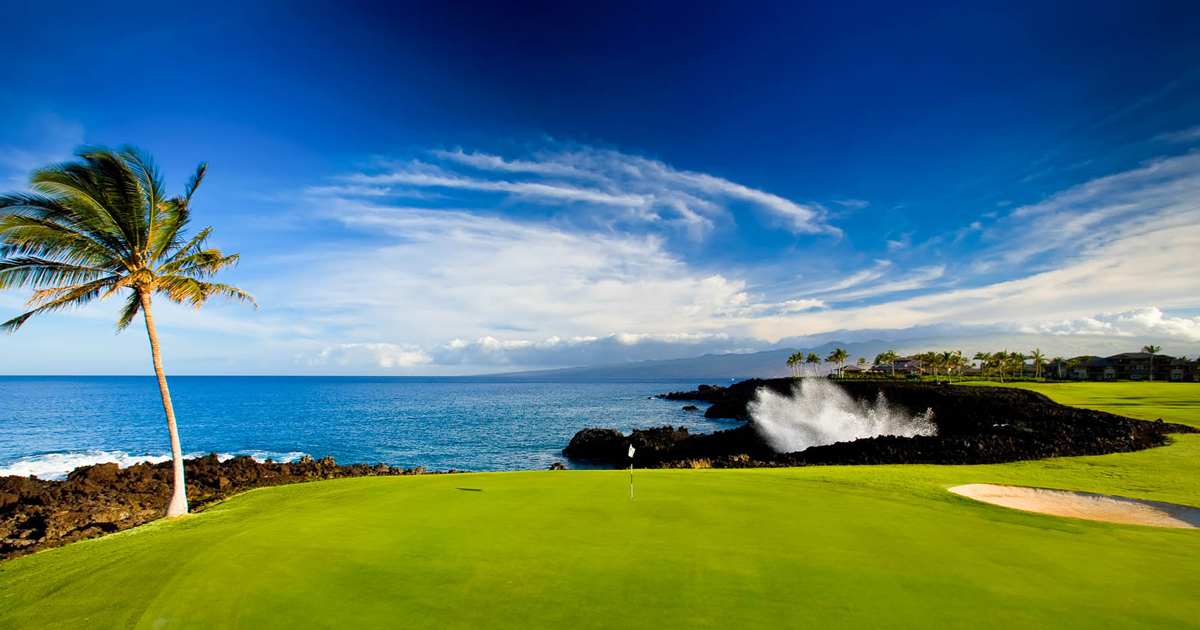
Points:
(976, 425)
(37, 514)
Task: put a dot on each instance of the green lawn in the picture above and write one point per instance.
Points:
(807, 547)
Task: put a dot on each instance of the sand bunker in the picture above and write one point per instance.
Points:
(1095, 507)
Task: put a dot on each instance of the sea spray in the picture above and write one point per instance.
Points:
(56, 466)
(819, 412)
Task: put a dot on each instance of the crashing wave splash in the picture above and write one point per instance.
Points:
(55, 466)
(819, 412)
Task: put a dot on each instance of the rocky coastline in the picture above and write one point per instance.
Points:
(37, 514)
(976, 425)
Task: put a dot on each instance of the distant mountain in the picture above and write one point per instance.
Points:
(710, 368)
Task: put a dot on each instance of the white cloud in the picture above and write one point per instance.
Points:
(444, 274)
(639, 189)
(1144, 323)
(384, 355)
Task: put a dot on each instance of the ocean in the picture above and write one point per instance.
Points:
(51, 424)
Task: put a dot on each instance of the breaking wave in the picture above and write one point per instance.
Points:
(57, 465)
(819, 412)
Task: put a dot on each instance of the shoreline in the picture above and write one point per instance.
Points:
(95, 500)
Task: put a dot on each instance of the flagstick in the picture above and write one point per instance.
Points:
(631, 450)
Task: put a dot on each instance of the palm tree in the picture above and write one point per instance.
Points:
(1152, 350)
(101, 226)
(1000, 362)
(1058, 362)
(862, 363)
(816, 361)
(890, 357)
(948, 361)
(838, 356)
(791, 362)
(1018, 364)
(985, 360)
(1038, 361)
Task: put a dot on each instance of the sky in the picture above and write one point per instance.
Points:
(424, 189)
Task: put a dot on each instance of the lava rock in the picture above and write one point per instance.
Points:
(975, 425)
(95, 500)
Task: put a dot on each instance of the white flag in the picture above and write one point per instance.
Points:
(631, 450)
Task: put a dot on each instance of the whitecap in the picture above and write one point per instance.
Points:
(56, 466)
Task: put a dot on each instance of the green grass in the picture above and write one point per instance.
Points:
(807, 547)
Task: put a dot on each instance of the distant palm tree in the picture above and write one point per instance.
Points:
(890, 358)
(1152, 350)
(1039, 360)
(1000, 360)
(1018, 364)
(815, 361)
(985, 360)
(948, 360)
(862, 363)
(1058, 363)
(101, 226)
(838, 356)
(791, 362)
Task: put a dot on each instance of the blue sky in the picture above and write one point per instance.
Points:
(418, 188)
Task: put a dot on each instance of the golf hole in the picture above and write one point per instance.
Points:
(1086, 505)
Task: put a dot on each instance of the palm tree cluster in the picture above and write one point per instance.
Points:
(104, 226)
(943, 362)
(794, 361)
(838, 357)
(888, 358)
(1011, 364)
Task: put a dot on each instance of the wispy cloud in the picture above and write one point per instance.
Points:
(643, 190)
(1183, 135)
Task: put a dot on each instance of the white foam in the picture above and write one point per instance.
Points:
(819, 412)
(57, 465)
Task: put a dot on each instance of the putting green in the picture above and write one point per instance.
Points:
(823, 546)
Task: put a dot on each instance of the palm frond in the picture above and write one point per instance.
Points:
(132, 307)
(201, 264)
(69, 212)
(177, 213)
(149, 182)
(188, 290)
(57, 299)
(21, 271)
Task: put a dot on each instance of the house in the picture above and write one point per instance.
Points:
(1184, 370)
(1094, 369)
(1136, 366)
(904, 366)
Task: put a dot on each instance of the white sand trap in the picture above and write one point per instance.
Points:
(1095, 507)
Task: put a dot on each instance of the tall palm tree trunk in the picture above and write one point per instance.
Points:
(178, 505)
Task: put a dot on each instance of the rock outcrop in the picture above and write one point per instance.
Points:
(976, 425)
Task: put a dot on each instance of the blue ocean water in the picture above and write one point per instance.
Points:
(49, 425)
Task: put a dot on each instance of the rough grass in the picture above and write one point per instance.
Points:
(823, 547)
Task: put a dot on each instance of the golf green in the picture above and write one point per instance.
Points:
(879, 546)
